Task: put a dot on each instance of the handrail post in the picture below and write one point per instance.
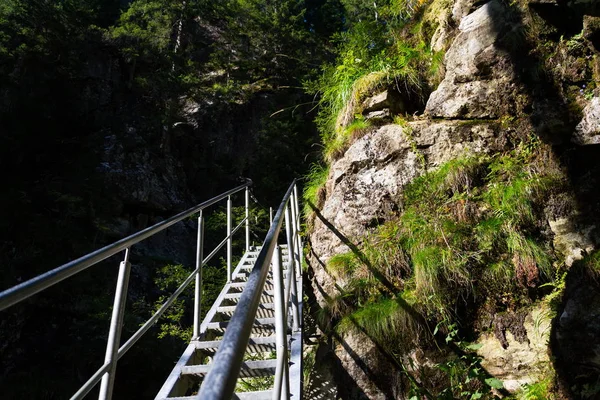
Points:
(281, 376)
(299, 250)
(247, 198)
(198, 287)
(270, 215)
(294, 226)
(229, 239)
(291, 269)
(116, 323)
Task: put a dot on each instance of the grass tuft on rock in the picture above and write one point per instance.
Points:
(314, 189)
(469, 233)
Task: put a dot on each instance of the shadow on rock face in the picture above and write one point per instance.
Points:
(576, 330)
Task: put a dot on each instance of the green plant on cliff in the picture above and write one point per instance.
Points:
(469, 234)
(536, 391)
(379, 49)
(314, 189)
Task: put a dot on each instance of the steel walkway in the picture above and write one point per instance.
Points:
(252, 331)
(259, 358)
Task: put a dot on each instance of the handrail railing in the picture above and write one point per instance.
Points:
(221, 380)
(106, 372)
(35, 285)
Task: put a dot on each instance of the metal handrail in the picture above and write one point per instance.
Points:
(35, 285)
(106, 373)
(222, 377)
(93, 381)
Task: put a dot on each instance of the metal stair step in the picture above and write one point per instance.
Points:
(261, 395)
(235, 287)
(250, 369)
(260, 324)
(236, 296)
(230, 309)
(243, 276)
(255, 345)
(249, 267)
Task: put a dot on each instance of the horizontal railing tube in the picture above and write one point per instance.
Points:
(223, 242)
(89, 385)
(221, 379)
(35, 285)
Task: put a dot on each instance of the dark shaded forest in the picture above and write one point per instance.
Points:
(115, 115)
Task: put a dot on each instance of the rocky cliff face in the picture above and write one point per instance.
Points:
(510, 74)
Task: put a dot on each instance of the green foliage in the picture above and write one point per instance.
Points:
(468, 235)
(370, 56)
(338, 145)
(168, 279)
(464, 220)
(467, 378)
(146, 27)
(314, 188)
(592, 262)
(382, 320)
(257, 383)
(536, 391)
(308, 365)
(341, 265)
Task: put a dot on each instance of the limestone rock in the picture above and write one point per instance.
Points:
(444, 33)
(480, 81)
(376, 102)
(461, 9)
(591, 31)
(393, 102)
(591, 27)
(147, 186)
(364, 187)
(382, 115)
(117, 228)
(376, 382)
(588, 130)
(522, 361)
(440, 38)
(571, 241)
(139, 178)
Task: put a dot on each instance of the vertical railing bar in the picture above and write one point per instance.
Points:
(294, 228)
(247, 198)
(298, 241)
(229, 241)
(291, 268)
(114, 333)
(285, 387)
(270, 215)
(220, 381)
(280, 326)
(198, 287)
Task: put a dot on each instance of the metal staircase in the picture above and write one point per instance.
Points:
(252, 331)
(195, 362)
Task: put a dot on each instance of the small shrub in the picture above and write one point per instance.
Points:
(536, 391)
